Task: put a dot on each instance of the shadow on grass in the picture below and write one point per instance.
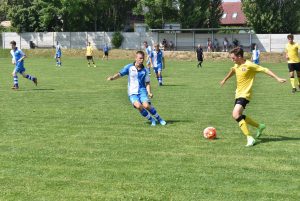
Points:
(169, 122)
(43, 89)
(173, 85)
(276, 139)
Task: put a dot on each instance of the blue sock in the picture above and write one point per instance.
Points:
(16, 82)
(146, 114)
(160, 79)
(154, 113)
(29, 77)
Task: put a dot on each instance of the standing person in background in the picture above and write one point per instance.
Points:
(225, 45)
(199, 53)
(89, 54)
(209, 45)
(139, 89)
(255, 54)
(291, 50)
(58, 54)
(148, 50)
(158, 63)
(18, 57)
(216, 45)
(245, 72)
(105, 51)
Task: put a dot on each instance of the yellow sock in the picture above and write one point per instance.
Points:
(251, 122)
(243, 127)
(293, 82)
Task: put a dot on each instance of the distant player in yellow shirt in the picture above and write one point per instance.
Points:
(89, 54)
(245, 72)
(293, 60)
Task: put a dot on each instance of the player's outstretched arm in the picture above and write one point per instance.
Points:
(281, 80)
(229, 75)
(148, 87)
(114, 77)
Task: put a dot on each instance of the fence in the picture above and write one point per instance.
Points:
(134, 40)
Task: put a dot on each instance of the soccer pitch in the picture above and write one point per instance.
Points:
(76, 136)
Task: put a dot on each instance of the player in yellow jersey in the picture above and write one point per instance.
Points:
(293, 60)
(89, 54)
(245, 72)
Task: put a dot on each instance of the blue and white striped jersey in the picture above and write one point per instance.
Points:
(148, 50)
(17, 54)
(137, 79)
(58, 49)
(157, 58)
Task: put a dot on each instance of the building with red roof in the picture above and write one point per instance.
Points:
(233, 14)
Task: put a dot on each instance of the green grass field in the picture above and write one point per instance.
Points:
(76, 136)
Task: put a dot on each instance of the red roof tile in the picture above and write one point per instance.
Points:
(230, 8)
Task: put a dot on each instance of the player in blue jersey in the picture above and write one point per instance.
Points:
(139, 88)
(157, 62)
(58, 54)
(18, 57)
(105, 51)
(148, 50)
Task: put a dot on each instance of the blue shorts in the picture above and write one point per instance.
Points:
(58, 55)
(19, 68)
(256, 61)
(142, 98)
(157, 69)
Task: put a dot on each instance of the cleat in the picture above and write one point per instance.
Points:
(15, 87)
(160, 84)
(294, 90)
(35, 81)
(250, 141)
(162, 122)
(95, 66)
(153, 123)
(260, 129)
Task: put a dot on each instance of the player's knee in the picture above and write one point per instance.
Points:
(235, 115)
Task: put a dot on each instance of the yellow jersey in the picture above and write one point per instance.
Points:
(89, 51)
(292, 51)
(245, 74)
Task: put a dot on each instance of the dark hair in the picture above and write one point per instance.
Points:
(290, 36)
(237, 52)
(145, 42)
(13, 42)
(140, 52)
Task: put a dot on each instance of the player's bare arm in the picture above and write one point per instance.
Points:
(270, 73)
(229, 75)
(114, 77)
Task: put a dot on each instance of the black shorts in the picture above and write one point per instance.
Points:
(241, 101)
(294, 67)
(89, 57)
(106, 53)
(200, 58)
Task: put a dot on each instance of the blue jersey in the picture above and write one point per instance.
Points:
(148, 50)
(105, 48)
(17, 54)
(157, 58)
(137, 79)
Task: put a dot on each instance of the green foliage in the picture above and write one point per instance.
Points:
(117, 39)
(272, 16)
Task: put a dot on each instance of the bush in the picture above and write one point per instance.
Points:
(117, 39)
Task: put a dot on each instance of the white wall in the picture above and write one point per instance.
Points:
(134, 40)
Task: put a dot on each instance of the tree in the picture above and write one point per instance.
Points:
(272, 16)
(157, 12)
(214, 13)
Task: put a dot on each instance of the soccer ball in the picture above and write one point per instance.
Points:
(210, 133)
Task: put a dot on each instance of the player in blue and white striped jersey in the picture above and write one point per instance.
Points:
(148, 50)
(18, 57)
(58, 54)
(157, 62)
(139, 88)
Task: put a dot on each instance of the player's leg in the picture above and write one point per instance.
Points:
(88, 60)
(135, 100)
(159, 75)
(29, 77)
(237, 114)
(147, 105)
(297, 68)
(93, 61)
(16, 81)
(292, 77)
